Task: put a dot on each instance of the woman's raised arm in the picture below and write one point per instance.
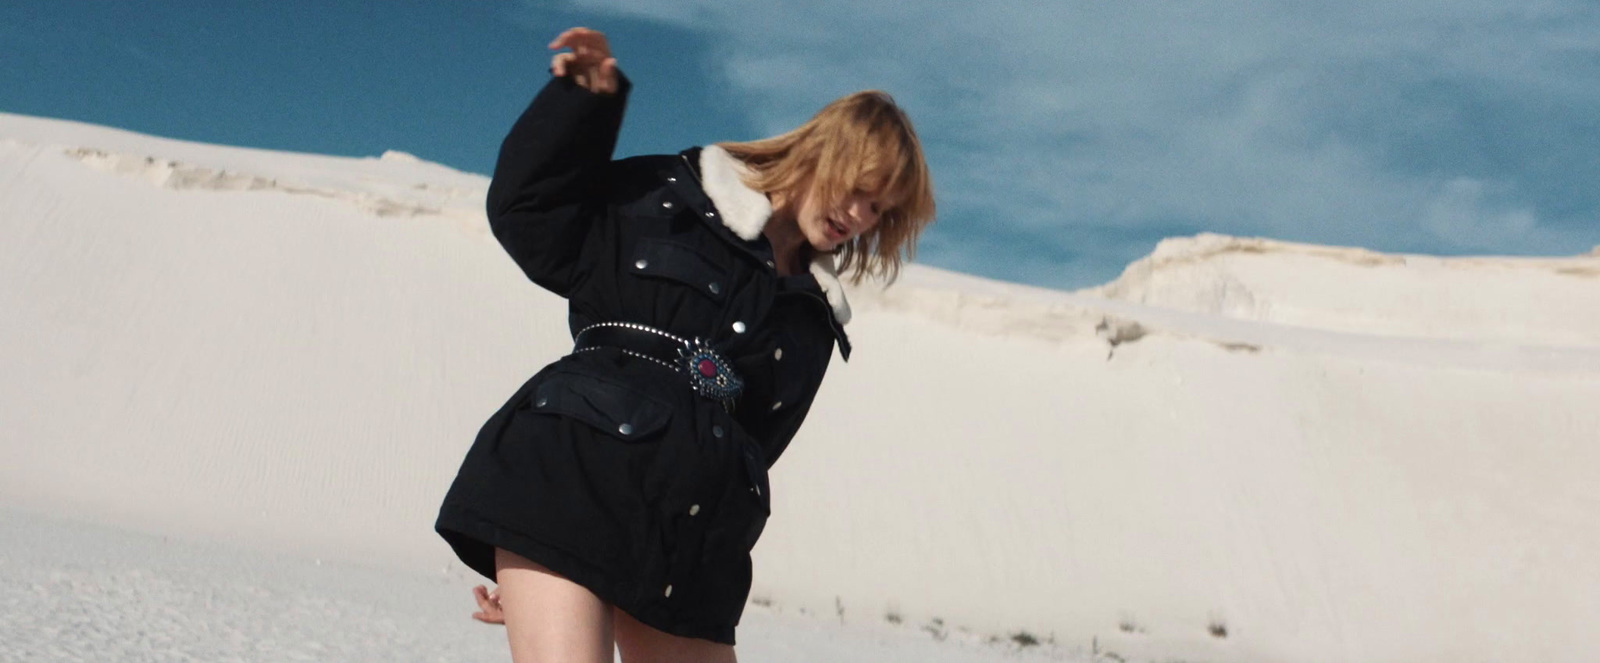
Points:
(547, 183)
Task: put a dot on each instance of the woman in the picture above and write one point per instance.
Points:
(613, 505)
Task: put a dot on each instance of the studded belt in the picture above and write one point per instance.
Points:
(710, 373)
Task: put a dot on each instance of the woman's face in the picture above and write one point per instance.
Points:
(826, 228)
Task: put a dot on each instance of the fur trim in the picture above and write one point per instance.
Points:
(827, 274)
(745, 211)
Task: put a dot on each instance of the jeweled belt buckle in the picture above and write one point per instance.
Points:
(711, 374)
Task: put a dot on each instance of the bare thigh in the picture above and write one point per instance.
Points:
(550, 618)
(643, 644)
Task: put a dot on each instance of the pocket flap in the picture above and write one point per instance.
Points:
(680, 262)
(606, 404)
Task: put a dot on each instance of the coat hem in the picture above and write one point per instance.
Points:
(474, 538)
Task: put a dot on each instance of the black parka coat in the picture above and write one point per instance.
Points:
(657, 516)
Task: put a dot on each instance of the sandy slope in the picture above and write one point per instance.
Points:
(71, 592)
(1327, 454)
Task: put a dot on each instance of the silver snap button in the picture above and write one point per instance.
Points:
(541, 402)
(738, 327)
(641, 264)
(668, 593)
(716, 432)
(777, 405)
(625, 429)
(715, 288)
(777, 355)
(772, 264)
(672, 179)
(756, 490)
(666, 204)
(711, 215)
(694, 509)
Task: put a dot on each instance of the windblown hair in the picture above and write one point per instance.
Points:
(861, 142)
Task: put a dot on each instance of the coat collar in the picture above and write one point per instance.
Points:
(745, 212)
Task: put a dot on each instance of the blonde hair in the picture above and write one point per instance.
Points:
(864, 142)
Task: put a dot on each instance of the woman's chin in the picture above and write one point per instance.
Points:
(821, 242)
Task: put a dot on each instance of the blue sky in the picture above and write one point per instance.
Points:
(1066, 137)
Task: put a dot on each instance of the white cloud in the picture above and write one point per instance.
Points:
(1358, 122)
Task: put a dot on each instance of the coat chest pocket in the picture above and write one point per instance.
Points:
(680, 263)
(604, 403)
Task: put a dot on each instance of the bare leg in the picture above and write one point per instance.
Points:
(642, 644)
(549, 618)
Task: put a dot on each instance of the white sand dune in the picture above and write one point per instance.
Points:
(1505, 300)
(1240, 450)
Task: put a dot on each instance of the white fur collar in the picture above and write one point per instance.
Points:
(823, 268)
(745, 211)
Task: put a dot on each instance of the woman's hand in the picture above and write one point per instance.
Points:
(589, 62)
(489, 611)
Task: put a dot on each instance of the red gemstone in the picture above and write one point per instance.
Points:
(707, 368)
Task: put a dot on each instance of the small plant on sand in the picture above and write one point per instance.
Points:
(1217, 628)
(1129, 625)
(893, 617)
(1024, 639)
(936, 629)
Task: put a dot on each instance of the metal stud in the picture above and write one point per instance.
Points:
(772, 264)
(625, 429)
(694, 509)
(671, 180)
(641, 264)
(777, 355)
(541, 402)
(738, 327)
(711, 215)
(777, 405)
(715, 288)
(716, 432)
(668, 593)
(666, 204)
(756, 490)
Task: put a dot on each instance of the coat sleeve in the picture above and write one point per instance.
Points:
(548, 182)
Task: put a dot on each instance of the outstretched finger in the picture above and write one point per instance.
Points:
(561, 39)
(560, 63)
(577, 37)
(607, 78)
(590, 45)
